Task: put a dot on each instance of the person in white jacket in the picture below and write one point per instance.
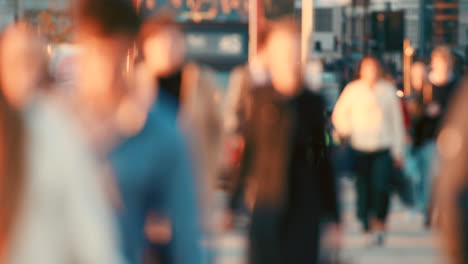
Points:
(54, 210)
(369, 114)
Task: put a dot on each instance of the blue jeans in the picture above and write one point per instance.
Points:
(419, 166)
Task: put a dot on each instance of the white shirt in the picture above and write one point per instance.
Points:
(372, 117)
(64, 216)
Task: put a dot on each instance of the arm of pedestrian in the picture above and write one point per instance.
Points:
(333, 236)
(341, 114)
(398, 135)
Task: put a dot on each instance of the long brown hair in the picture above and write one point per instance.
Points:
(12, 169)
(373, 59)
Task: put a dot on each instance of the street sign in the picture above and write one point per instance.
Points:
(220, 45)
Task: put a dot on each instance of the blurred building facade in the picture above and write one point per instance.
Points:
(329, 28)
(445, 22)
(9, 9)
(463, 26)
(7, 13)
(442, 21)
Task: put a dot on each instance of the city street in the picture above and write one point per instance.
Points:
(407, 242)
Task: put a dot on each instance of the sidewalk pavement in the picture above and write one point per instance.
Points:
(407, 241)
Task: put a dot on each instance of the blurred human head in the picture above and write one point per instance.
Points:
(282, 56)
(163, 44)
(442, 62)
(22, 63)
(370, 70)
(177, 3)
(235, 4)
(106, 31)
(418, 75)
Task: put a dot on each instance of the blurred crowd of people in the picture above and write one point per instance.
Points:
(122, 159)
(118, 159)
(403, 142)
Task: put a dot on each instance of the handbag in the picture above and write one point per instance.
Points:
(402, 186)
(343, 159)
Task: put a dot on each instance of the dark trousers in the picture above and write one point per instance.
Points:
(373, 173)
(264, 236)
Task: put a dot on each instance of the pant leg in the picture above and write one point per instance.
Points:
(382, 170)
(421, 178)
(363, 188)
(427, 159)
(413, 171)
(264, 239)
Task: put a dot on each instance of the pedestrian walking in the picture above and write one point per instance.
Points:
(416, 165)
(369, 113)
(190, 90)
(443, 83)
(286, 174)
(54, 209)
(149, 163)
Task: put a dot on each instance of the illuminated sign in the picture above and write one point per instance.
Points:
(199, 10)
(218, 44)
(215, 44)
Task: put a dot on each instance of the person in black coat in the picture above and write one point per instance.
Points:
(444, 83)
(286, 174)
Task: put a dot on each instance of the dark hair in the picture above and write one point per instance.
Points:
(108, 17)
(12, 167)
(375, 60)
(262, 37)
(158, 22)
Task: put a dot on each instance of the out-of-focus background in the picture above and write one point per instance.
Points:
(335, 36)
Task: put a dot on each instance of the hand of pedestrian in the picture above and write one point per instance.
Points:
(158, 229)
(333, 236)
(228, 220)
(408, 139)
(398, 163)
(433, 110)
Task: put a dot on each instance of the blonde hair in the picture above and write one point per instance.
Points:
(444, 53)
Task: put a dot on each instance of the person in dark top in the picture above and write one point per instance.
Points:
(443, 83)
(286, 176)
(415, 165)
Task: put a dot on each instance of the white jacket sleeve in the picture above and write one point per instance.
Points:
(397, 125)
(341, 113)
